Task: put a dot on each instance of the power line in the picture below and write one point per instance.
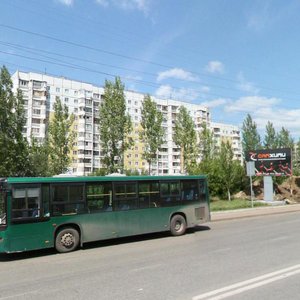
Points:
(135, 59)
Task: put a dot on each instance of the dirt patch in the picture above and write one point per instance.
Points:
(288, 190)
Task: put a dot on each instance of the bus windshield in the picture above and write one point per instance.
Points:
(2, 207)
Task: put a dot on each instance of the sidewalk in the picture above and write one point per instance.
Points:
(254, 212)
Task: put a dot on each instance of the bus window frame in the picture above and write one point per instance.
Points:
(170, 199)
(132, 200)
(4, 192)
(108, 207)
(84, 210)
(152, 203)
(28, 219)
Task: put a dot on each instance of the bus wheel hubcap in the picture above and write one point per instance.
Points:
(177, 226)
(67, 239)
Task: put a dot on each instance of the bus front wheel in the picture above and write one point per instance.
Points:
(67, 240)
(178, 225)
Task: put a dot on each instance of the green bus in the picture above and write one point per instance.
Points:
(66, 212)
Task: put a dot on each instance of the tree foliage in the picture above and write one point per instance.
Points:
(115, 126)
(39, 158)
(230, 170)
(152, 134)
(185, 137)
(270, 140)
(60, 137)
(284, 140)
(13, 146)
(250, 135)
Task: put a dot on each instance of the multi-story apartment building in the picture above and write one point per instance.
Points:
(83, 100)
(227, 132)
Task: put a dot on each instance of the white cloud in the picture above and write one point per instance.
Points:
(245, 85)
(141, 5)
(131, 81)
(214, 103)
(102, 2)
(215, 67)
(176, 73)
(260, 17)
(251, 104)
(262, 110)
(205, 89)
(183, 94)
(280, 118)
(66, 2)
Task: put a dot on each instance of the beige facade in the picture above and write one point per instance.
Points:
(226, 132)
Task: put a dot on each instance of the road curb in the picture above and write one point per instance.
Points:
(253, 212)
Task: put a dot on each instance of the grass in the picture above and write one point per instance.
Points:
(219, 205)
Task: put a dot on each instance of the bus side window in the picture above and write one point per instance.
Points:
(189, 190)
(202, 189)
(68, 199)
(149, 194)
(46, 200)
(170, 193)
(125, 196)
(26, 202)
(99, 196)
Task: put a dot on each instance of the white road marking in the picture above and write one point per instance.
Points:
(279, 239)
(222, 250)
(19, 295)
(149, 267)
(246, 285)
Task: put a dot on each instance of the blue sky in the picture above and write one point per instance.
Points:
(236, 57)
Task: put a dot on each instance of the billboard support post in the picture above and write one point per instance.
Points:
(251, 191)
(251, 172)
(268, 188)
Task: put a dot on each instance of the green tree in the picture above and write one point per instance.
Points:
(284, 140)
(250, 135)
(208, 152)
(270, 141)
(230, 170)
(152, 134)
(115, 126)
(185, 136)
(61, 138)
(39, 158)
(13, 146)
(296, 159)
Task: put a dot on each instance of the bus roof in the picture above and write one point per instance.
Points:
(15, 180)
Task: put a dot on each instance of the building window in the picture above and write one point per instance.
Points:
(36, 111)
(35, 121)
(57, 90)
(35, 131)
(23, 83)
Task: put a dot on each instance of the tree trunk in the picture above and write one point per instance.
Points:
(229, 196)
(182, 160)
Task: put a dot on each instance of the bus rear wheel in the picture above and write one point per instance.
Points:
(67, 240)
(178, 225)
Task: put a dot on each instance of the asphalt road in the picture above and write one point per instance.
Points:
(249, 258)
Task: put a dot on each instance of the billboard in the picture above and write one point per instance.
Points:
(275, 162)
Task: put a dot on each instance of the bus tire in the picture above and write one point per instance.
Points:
(67, 240)
(178, 225)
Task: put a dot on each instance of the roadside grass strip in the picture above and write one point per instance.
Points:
(247, 285)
